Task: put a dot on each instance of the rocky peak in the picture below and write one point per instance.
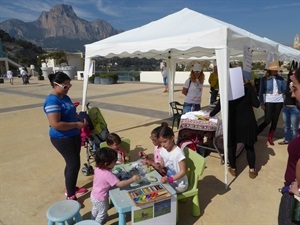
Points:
(58, 12)
(59, 26)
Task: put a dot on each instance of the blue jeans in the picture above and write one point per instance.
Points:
(188, 107)
(165, 80)
(291, 120)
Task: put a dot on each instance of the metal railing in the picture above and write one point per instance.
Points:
(124, 75)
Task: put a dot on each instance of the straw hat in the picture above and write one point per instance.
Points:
(274, 65)
(197, 67)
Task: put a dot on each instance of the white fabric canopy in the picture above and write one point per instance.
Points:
(182, 35)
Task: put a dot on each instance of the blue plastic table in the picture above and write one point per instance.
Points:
(120, 197)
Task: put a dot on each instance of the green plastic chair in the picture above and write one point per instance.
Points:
(195, 167)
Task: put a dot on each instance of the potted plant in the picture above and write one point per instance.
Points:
(91, 79)
(43, 60)
(109, 78)
(96, 78)
(61, 59)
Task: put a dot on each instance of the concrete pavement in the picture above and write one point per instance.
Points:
(31, 170)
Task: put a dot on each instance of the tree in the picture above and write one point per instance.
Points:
(59, 57)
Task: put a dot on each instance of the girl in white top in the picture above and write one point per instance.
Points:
(192, 89)
(173, 159)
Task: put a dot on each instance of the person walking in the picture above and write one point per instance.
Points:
(24, 75)
(290, 114)
(64, 130)
(10, 76)
(192, 89)
(271, 97)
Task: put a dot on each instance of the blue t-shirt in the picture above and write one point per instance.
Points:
(67, 110)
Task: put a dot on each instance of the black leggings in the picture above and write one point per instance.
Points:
(250, 156)
(272, 113)
(69, 148)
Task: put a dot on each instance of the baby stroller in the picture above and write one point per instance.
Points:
(91, 139)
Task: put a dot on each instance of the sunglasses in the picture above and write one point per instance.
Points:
(65, 87)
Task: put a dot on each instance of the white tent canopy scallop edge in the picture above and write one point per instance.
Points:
(181, 36)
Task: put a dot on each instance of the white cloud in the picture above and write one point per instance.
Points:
(26, 12)
(105, 7)
(281, 6)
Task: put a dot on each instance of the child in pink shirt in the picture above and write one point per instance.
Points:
(155, 163)
(104, 179)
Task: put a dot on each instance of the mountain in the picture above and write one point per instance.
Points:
(60, 28)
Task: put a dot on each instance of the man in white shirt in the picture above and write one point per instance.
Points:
(24, 75)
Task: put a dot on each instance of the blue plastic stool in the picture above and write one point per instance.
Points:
(64, 211)
(87, 222)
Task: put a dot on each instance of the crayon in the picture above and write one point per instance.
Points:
(160, 186)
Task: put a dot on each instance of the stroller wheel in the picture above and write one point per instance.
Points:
(87, 170)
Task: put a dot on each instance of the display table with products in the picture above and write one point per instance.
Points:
(207, 134)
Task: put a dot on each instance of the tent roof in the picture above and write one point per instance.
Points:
(183, 34)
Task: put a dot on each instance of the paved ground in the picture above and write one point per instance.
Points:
(31, 175)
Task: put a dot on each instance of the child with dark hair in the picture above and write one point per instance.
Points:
(104, 179)
(173, 160)
(114, 142)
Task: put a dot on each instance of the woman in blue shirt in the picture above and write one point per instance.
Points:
(271, 92)
(64, 130)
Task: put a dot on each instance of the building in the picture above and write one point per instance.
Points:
(296, 42)
(75, 64)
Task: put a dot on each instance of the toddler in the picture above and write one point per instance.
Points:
(114, 142)
(104, 179)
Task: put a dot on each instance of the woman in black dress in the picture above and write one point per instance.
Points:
(242, 128)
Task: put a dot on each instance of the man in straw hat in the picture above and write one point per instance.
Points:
(271, 90)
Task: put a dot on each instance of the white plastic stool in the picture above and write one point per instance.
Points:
(64, 211)
(87, 222)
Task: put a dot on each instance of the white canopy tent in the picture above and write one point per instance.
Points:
(181, 35)
(285, 52)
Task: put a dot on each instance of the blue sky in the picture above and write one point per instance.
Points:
(278, 20)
